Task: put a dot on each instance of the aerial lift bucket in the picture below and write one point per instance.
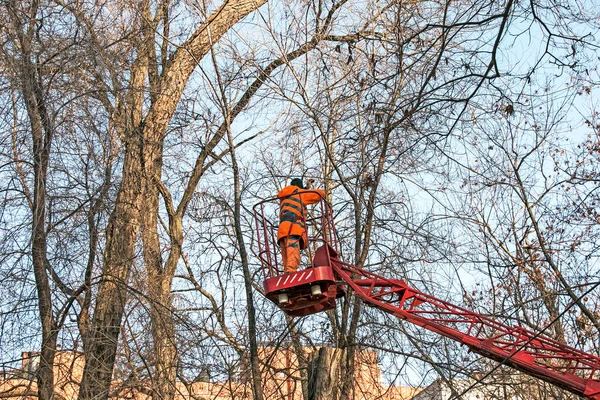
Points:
(309, 290)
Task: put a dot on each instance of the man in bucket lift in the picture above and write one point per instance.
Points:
(291, 235)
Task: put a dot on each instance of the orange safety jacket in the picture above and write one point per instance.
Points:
(292, 212)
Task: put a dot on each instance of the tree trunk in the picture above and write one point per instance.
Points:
(237, 216)
(165, 350)
(112, 292)
(45, 374)
(324, 373)
(300, 356)
(42, 133)
(41, 150)
(159, 293)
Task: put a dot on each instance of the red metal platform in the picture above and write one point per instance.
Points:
(304, 292)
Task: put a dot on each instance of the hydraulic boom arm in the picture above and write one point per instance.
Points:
(534, 354)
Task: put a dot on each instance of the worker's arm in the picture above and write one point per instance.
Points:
(310, 197)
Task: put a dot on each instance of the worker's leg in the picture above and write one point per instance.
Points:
(290, 253)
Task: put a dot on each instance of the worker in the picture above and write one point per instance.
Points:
(291, 235)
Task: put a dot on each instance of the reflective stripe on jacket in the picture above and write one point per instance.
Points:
(292, 214)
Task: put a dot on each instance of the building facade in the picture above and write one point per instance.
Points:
(281, 376)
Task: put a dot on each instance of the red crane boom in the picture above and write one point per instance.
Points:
(316, 288)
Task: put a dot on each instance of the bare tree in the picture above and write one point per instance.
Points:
(42, 132)
(143, 133)
(41, 85)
